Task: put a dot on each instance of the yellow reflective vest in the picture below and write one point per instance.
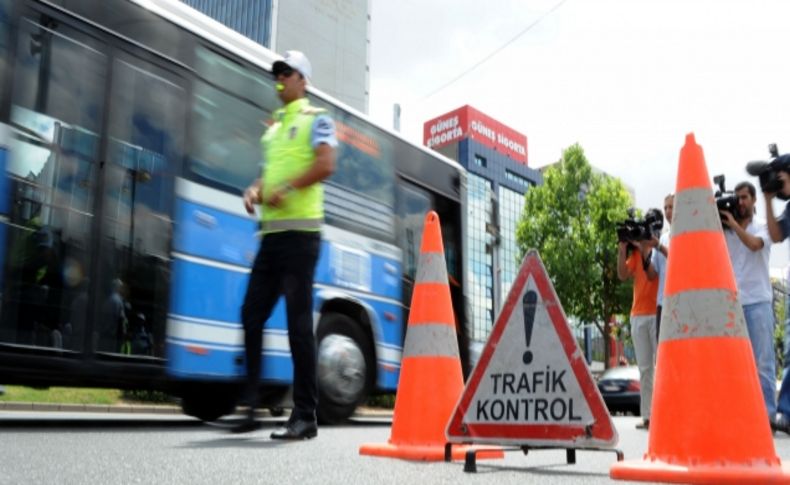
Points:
(287, 154)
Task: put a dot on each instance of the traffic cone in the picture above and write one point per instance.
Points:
(709, 423)
(430, 377)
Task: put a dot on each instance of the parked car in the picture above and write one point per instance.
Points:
(619, 387)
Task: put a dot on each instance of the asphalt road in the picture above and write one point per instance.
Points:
(103, 448)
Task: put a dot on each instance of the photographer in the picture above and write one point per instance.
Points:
(643, 312)
(779, 229)
(749, 245)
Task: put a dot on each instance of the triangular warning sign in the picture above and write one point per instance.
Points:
(531, 385)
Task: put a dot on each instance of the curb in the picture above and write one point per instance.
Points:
(139, 408)
(88, 408)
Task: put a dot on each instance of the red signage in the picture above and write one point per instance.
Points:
(467, 122)
(446, 129)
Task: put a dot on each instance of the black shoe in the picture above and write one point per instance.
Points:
(247, 424)
(643, 424)
(781, 424)
(296, 429)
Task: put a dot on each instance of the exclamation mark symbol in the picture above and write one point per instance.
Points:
(528, 303)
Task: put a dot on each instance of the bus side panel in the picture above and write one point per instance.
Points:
(213, 250)
(215, 234)
(205, 336)
(389, 350)
(5, 198)
(374, 281)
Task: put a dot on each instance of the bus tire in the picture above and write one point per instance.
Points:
(208, 403)
(345, 367)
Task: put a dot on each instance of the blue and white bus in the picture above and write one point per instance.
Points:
(128, 130)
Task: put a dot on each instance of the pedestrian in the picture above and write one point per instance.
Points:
(779, 229)
(299, 153)
(633, 261)
(658, 260)
(749, 245)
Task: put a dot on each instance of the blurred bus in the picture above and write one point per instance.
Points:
(128, 131)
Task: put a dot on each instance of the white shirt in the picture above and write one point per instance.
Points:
(660, 265)
(751, 267)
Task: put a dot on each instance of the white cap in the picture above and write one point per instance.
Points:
(296, 61)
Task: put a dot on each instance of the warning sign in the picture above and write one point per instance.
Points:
(531, 385)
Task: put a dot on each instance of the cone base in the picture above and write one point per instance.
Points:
(428, 452)
(658, 471)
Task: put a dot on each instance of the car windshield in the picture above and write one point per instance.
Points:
(630, 372)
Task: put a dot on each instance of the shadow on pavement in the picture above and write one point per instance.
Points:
(546, 470)
(251, 440)
(96, 424)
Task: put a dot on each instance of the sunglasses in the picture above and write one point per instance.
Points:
(285, 71)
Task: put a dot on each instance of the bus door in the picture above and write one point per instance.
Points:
(144, 148)
(58, 91)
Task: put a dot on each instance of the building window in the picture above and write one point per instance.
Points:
(480, 161)
(517, 179)
(481, 259)
(511, 205)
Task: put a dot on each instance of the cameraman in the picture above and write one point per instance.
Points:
(749, 245)
(643, 315)
(779, 229)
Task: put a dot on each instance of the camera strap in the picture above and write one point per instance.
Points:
(646, 260)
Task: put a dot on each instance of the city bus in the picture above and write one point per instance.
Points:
(128, 131)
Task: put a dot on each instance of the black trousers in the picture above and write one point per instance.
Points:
(658, 322)
(285, 265)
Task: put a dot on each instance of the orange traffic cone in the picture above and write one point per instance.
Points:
(709, 423)
(430, 378)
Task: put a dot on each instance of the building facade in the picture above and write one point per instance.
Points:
(334, 34)
(495, 157)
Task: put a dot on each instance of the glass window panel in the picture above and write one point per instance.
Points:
(226, 138)
(52, 172)
(146, 130)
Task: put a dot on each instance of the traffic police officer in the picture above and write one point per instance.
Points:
(299, 152)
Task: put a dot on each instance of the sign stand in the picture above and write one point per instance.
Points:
(470, 460)
(532, 388)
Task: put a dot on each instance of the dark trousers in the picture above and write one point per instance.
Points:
(285, 265)
(658, 323)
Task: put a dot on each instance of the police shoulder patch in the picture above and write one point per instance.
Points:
(312, 110)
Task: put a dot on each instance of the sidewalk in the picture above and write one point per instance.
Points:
(362, 411)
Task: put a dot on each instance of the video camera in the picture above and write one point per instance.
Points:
(768, 172)
(725, 200)
(635, 230)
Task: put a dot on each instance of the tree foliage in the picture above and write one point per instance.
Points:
(571, 220)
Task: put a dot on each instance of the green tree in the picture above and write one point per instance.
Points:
(571, 220)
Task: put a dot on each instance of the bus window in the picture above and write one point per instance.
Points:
(52, 172)
(360, 195)
(146, 133)
(413, 205)
(225, 148)
(5, 33)
(253, 86)
(228, 121)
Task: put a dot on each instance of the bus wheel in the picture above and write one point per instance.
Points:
(208, 403)
(345, 367)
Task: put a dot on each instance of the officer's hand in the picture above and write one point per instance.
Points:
(252, 196)
(275, 199)
(727, 219)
